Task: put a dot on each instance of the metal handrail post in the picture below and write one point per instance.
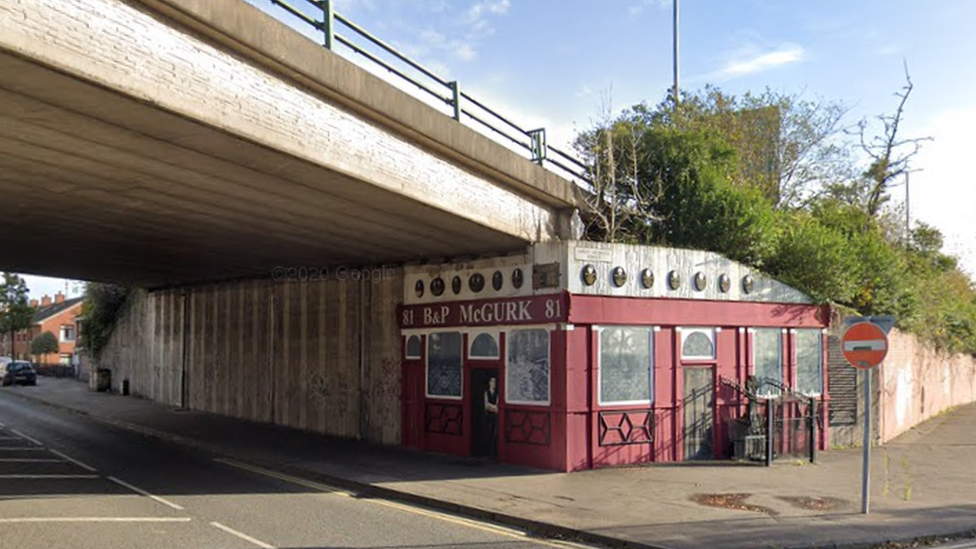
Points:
(539, 147)
(456, 101)
(770, 426)
(328, 23)
(814, 416)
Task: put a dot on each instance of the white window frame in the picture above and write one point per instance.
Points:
(63, 339)
(796, 359)
(406, 346)
(599, 370)
(782, 352)
(495, 334)
(712, 334)
(548, 402)
(427, 366)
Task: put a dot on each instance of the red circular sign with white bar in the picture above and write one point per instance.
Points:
(865, 345)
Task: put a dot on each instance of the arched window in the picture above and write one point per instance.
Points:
(697, 343)
(484, 347)
(413, 347)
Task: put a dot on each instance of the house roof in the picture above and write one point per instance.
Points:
(44, 313)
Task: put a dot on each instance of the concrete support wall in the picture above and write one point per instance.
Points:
(319, 355)
(919, 382)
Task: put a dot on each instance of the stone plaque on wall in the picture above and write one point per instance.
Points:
(545, 276)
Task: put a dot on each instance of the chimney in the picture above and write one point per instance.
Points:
(46, 301)
(59, 297)
(33, 303)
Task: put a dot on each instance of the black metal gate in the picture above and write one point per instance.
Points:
(792, 419)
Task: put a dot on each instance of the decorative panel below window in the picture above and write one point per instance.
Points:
(618, 428)
(444, 364)
(527, 368)
(626, 364)
(443, 419)
(527, 427)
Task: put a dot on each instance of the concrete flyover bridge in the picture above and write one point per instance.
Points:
(164, 142)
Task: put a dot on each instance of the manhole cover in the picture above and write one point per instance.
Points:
(736, 502)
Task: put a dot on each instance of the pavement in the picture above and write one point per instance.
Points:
(923, 484)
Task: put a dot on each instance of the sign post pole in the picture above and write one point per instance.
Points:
(865, 346)
(866, 468)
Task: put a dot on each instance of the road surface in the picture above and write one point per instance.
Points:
(67, 481)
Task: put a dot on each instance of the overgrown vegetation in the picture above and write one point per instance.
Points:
(777, 182)
(102, 308)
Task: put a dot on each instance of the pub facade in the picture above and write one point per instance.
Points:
(577, 355)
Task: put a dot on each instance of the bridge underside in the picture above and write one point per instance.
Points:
(95, 185)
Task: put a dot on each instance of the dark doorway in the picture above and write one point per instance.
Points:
(699, 398)
(484, 423)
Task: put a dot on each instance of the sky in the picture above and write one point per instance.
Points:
(557, 64)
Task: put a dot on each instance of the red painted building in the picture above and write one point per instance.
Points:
(601, 354)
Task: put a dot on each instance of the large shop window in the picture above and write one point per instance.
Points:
(767, 349)
(697, 343)
(444, 364)
(527, 368)
(809, 362)
(626, 365)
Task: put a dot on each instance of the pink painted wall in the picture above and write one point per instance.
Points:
(918, 382)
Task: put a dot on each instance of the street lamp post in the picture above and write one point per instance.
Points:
(675, 50)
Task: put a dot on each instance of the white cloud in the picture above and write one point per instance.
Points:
(465, 52)
(759, 62)
(638, 8)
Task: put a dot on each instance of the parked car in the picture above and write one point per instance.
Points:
(17, 371)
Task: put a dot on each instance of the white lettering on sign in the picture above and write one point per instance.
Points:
(597, 255)
(516, 311)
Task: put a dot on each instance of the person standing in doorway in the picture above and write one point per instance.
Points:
(491, 416)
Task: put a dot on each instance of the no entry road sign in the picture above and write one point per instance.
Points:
(865, 345)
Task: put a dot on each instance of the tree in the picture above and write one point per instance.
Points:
(103, 305)
(15, 309)
(44, 344)
(890, 154)
(788, 146)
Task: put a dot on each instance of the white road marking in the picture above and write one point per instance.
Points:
(27, 437)
(93, 519)
(242, 535)
(286, 478)
(145, 493)
(20, 448)
(48, 476)
(10, 438)
(470, 523)
(84, 466)
(31, 460)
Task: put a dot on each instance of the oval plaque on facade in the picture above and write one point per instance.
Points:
(748, 284)
(724, 283)
(419, 288)
(456, 284)
(497, 280)
(700, 281)
(674, 280)
(619, 276)
(476, 282)
(437, 286)
(589, 275)
(647, 278)
(518, 277)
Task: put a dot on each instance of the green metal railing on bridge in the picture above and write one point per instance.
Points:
(321, 16)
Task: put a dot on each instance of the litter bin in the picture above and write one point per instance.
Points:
(103, 380)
